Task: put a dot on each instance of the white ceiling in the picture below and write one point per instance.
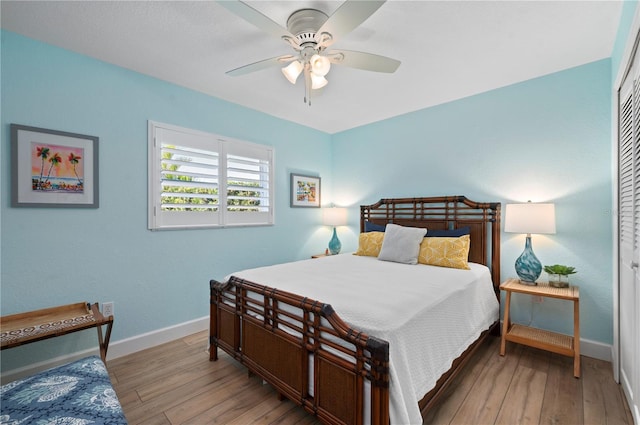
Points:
(448, 49)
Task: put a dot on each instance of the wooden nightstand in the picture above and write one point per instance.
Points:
(551, 341)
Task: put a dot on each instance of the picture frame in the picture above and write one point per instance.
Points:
(53, 169)
(305, 191)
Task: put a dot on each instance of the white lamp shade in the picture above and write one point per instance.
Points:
(530, 218)
(292, 71)
(320, 65)
(334, 216)
(318, 81)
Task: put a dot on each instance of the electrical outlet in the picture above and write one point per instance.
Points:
(107, 309)
(537, 299)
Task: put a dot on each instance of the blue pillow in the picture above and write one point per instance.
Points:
(372, 227)
(453, 233)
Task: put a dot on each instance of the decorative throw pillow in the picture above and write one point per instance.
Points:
(445, 252)
(452, 233)
(401, 244)
(369, 244)
(373, 227)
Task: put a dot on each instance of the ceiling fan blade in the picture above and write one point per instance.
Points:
(261, 21)
(257, 66)
(349, 15)
(361, 60)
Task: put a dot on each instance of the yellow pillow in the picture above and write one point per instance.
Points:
(445, 252)
(369, 244)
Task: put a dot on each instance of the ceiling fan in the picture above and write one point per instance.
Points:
(310, 32)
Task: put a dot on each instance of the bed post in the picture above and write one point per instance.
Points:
(213, 321)
(495, 249)
(379, 350)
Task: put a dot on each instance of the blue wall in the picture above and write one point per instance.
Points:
(156, 279)
(544, 140)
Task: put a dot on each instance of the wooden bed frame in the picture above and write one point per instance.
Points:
(308, 354)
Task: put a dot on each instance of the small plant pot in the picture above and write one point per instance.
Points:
(558, 280)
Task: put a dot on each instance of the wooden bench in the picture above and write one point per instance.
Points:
(24, 328)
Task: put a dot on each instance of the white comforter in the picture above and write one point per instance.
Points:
(429, 315)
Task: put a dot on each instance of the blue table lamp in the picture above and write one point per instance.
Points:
(334, 217)
(529, 218)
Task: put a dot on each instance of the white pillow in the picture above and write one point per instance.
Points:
(401, 244)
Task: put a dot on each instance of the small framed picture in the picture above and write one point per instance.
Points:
(53, 169)
(305, 191)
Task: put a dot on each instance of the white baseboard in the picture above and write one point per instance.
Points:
(595, 349)
(157, 337)
(116, 348)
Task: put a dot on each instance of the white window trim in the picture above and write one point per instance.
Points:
(222, 218)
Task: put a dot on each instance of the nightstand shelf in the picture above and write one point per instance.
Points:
(568, 345)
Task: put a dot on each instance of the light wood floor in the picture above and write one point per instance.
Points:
(175, 383)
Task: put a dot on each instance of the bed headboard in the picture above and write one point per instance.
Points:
(446, 212)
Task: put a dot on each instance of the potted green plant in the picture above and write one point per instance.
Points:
(559, 275)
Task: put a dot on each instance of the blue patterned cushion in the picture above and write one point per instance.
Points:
(75, 393)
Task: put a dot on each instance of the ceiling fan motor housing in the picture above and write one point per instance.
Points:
(304, 24)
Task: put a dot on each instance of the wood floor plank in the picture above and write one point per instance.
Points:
(296, 416)
(159, 419)
(462, 384)
(173, 380)
(180, 395)
(251, 392)
(128, 398)
(603, 399)
(563, 397)
(527, 391)
(263, 413)
(486, 396)
(165, 357)
(176, 384)
(197, 338)
(534, 358)
(273, 411)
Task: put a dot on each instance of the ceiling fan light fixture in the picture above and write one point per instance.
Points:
(292, 71)
(320, 65)
(318, 81)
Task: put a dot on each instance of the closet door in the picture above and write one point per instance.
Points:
(629, 235)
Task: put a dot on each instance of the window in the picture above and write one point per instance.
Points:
(198, 179)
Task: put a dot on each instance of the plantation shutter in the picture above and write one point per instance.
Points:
(187, 179)
(249, 189)
(198, 179)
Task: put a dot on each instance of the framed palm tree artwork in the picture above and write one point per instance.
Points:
(53, 169)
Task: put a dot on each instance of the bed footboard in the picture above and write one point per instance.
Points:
(303, 349)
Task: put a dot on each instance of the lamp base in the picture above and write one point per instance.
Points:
(528, 267)
(334, 244)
